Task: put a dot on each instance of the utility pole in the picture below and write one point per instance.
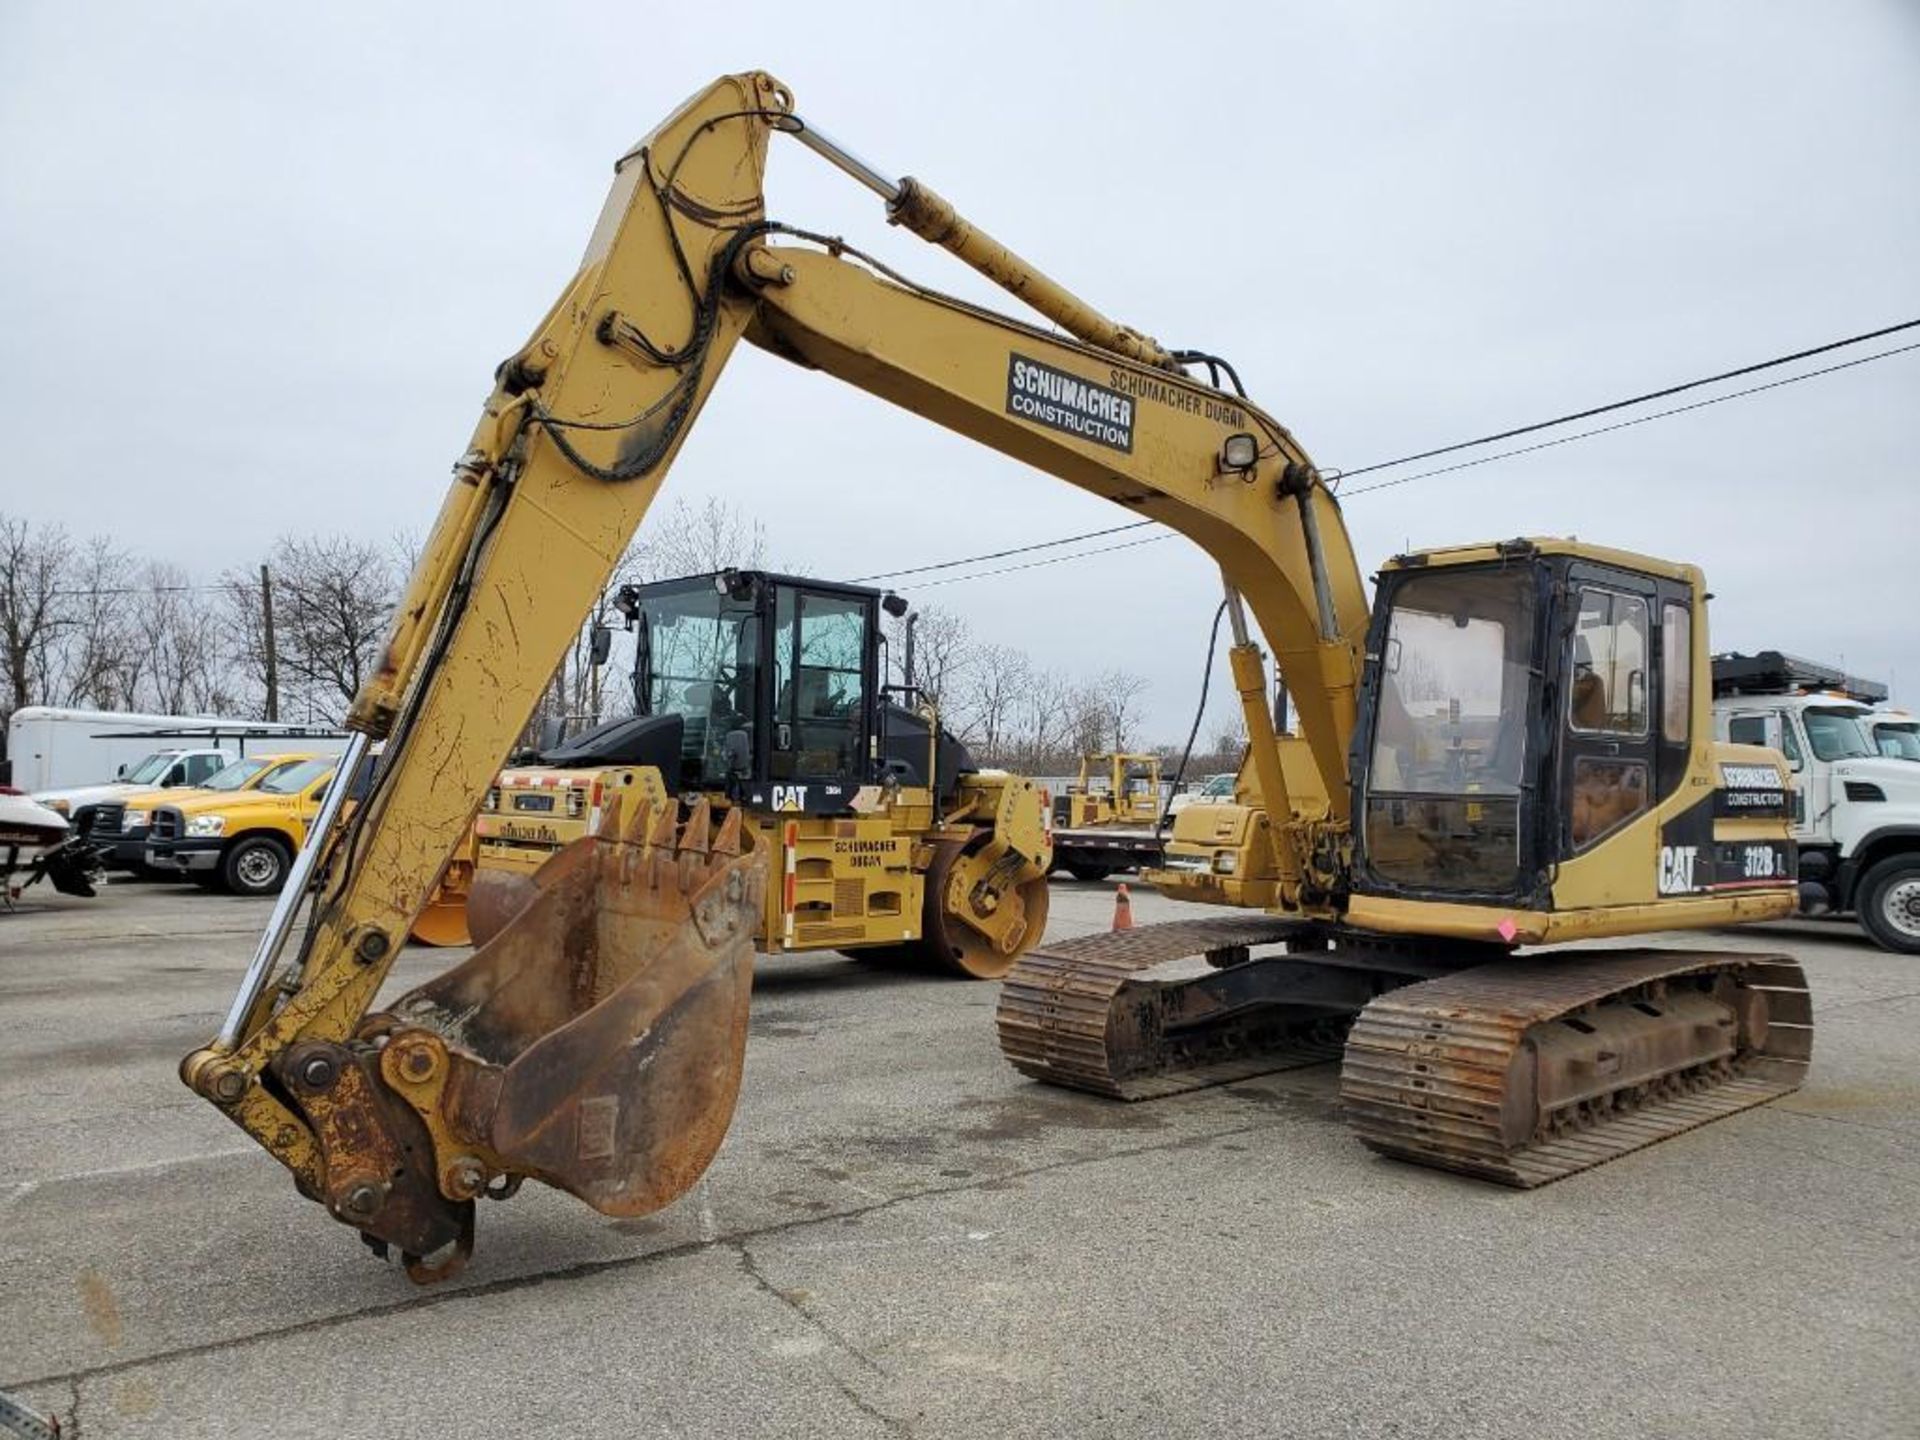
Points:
(266, 626)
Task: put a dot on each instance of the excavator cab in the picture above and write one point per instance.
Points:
(1522, 703)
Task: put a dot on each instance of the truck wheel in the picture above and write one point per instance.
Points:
(1088, 872)
(1888, 903)
(256, 865)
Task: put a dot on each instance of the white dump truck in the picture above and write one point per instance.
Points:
(1856, 810)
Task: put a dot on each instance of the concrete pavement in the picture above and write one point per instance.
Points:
(902, 1237)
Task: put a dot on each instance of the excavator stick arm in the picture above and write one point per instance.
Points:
(573, 443)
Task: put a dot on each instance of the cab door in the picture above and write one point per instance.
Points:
(822, 655)
(1609, 769)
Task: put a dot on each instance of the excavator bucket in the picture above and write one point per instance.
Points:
(444, 921)
(594, 1043)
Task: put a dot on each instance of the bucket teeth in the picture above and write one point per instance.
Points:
(616, 815)
(696, 837)
(726, 844)
(694, 843)
(660, 839)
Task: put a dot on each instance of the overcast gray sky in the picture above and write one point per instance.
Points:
(259, 263)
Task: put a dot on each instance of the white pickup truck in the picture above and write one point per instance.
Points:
(1856, 812)
(157, 770)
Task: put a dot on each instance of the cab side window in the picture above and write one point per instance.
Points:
(1752, 730)
(1676, 673)
(1608, 740)
(1609, 691)
(317, 791)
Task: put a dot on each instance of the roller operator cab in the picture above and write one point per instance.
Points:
(767, 688)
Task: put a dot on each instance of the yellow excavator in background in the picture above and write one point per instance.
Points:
(1512, 746)
(1114, 788)
(1109, 817)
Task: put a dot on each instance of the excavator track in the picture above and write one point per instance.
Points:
(1528, 1070)
(1084, 1014)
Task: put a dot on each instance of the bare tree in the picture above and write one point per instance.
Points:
(1114, 696)
(33, 566)
(333, 597)
(1227, 740)
(942, 655)
(986, 717)
(1043, 741)
(688, 539)
(674, 540)
(1086, 722)
(98, 662)
(181, 639)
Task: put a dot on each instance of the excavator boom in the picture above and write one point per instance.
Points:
(397, 1120)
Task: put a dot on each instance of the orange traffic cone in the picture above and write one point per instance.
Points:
(1122, 908)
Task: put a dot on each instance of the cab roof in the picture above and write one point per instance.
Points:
(1527, 547)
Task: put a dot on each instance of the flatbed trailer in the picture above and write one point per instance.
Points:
(1093, 852)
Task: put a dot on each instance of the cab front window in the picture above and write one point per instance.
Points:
(1835, 734)
(1450, 731)
(699, 650)
(1898, 741)
(149, 770)
(295, 778)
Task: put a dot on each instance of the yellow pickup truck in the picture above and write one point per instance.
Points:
(118, 829)
(243, 841)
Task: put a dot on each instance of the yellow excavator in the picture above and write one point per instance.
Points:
(1512, 746)
(1114, 788)
(1108, 819)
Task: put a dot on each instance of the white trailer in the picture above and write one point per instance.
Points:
(51, 749)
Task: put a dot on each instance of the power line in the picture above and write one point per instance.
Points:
(1002, 554)
(1643, 399)
(1338, 475)
(1051, 559)
(1467, 445)
(1626, 424)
